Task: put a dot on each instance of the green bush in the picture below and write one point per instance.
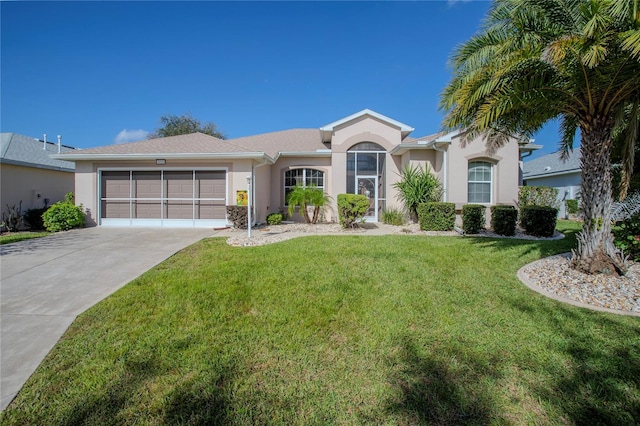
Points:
(63, 216)
(473, 219)
(351, 209)
(33, 218)
(572, 206)
(417, 185)
(626, 236)
(539, 221)
(238, 216)
(538, 196)
(274, 219)
(504, 219)
(437, 216)
(393, 216)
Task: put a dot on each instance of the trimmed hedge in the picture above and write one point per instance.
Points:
(437, 216)
(238, 216)
(537, 196)
(473, 219)
(504, 220)
(274, 218)
(351, 209)
(539, 221)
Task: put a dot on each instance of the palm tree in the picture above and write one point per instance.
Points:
(576, 60)
(305, 196)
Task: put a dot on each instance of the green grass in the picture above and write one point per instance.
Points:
(340, 330)
(14, 237)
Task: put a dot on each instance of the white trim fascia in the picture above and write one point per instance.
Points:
(546, 175)
(404, 147)
(528, 147)
(448, 138)
(172, 156)
(37, 166)
(317, 153)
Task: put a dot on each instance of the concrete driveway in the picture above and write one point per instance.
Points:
(47, 282)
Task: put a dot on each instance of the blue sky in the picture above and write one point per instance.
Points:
(98, 73)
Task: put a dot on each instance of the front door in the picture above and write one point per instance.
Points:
(368, 186)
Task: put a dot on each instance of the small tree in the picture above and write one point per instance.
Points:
(305, 196)
(417, 186)
(173, 125)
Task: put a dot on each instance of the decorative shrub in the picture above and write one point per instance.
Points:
(539, 221)
(63, 216)
(12, 217)
(437, 216)
(473, 219)
(417, 185)
(238, 216)
(626, 236)
(504, 219)
(351, 209)
(274, 219)
(572, 206)
(33, 218)
(538, 196)
(393, 216)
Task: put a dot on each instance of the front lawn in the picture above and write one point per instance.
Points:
(13, 237)
(340, 330)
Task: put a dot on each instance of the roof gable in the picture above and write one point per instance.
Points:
(329, 128)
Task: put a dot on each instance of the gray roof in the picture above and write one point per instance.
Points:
(23, 150)
(551, 164)
(196, 144)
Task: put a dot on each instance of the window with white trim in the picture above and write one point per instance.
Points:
(302, 177)
(480, 182)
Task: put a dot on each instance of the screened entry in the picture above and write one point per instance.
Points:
(366, 175)
(163, 197)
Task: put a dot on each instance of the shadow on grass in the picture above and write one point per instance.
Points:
(435, 390)
(203, 399)
(601, 382)
(539, 248)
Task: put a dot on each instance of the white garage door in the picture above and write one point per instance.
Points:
(194, 198)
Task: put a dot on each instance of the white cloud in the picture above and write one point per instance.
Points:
(130, 136)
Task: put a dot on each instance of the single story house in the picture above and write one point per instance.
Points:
(188, 180)
(29, 174)
(550, 170)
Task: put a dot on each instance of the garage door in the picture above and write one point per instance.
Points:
(163, 198)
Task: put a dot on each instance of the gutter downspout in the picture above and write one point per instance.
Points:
(444, 170)
(253, 193)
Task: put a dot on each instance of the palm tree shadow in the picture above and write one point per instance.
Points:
(433, 392)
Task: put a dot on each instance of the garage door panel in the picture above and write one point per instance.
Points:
(143, 209)
(211, 184)
(179, 184)
(210, 210)
(147, 185)
(115, 209)
(179, 209)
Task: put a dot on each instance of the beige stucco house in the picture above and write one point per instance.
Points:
(29, 174)
(188, 180)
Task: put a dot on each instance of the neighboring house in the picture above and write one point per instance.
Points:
(550, 170)
(29, 174)
(188, 180)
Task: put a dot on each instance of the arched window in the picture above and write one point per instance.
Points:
(303, 177)
(480, 182)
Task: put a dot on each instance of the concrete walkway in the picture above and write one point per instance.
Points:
(47, 282)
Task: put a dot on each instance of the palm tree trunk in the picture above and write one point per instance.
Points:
(596, 253)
